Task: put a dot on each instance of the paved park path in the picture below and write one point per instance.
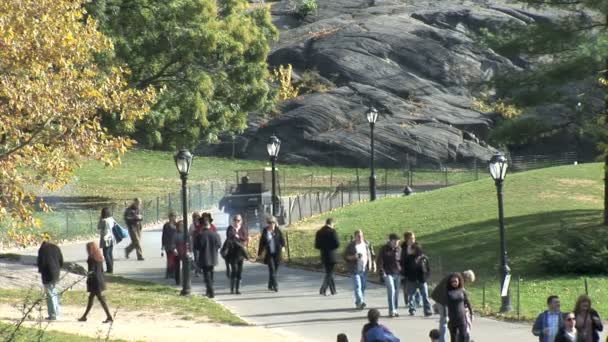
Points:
(297, 308)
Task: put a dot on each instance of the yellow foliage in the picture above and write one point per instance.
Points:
(51, 97)
(507, 111)
(287, 90)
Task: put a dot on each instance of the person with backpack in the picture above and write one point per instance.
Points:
(234, 252)
(50, 262)
(96, 283)
(374, 331)
(326, 241)
(416, 270)
(133, 218)
(106, 237)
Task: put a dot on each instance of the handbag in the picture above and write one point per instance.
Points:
(119, 232)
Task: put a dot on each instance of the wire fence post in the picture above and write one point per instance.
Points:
(312, 175)
(445, 168)
(483, 296)
(476, 169)
(287, 243)
(341, 195)
(518, 296)
(289, 210)
(358, 184)
(385, 182)
(170, 205)
(586, 287)
(331, 178)
(212, 193)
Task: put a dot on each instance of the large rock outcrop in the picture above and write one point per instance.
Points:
(418, 62)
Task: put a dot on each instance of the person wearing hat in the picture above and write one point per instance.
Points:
(389, 270)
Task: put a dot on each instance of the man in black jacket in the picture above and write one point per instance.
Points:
(326, 241)
(50, 261)
(207, 244)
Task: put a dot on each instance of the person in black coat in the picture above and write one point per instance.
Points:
(326, 241)
(235, 253)
(50, 261)
(270, 249)
(208, 244)
(96, 283)
(239, 230)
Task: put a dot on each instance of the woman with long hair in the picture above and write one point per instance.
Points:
(458, 307)
(588, 321)
(240, 232)
(234, 252)
(95, 281)
(106, 238)
(270, 249)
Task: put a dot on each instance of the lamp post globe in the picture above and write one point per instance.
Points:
(372, 116)
(498, 171)
(273, 146)
(183, 162)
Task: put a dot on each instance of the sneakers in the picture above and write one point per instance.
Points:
(412, 312)
(393, 314)
(361, 306)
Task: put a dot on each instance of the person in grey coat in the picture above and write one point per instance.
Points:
(207, 244)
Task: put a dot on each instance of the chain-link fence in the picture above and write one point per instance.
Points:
(72, 222)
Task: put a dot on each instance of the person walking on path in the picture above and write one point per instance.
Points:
(416, 271)
(106, 238)
(389, 270)
(588, 321)
(326, 241)
(96, 283)
(270, 250)
(208, 244)
(548, 323)
(50, 262)
(194, 230)
(234, 252)
(408, 247)
(440, 296)
(238, 229)
(208, 217)
(133, 218)
(168, 245)
(568, 332)
(359, 257)
(181, 250)
(375, 332)
(458, 306)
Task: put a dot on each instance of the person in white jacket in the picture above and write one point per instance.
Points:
(106, 238)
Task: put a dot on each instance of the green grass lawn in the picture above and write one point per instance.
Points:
(132, 295)
(458, 228)
(32, 334)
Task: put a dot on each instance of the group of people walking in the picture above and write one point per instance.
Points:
(50, 260)
(583, 324)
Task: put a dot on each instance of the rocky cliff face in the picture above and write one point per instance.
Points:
(417, 62)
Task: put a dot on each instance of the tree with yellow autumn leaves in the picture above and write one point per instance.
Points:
(52, 96)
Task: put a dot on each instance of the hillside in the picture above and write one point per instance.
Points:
(458, 226)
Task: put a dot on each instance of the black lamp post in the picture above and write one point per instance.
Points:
(273, 146)
(372, 116)
(498, 171)
(183, 161)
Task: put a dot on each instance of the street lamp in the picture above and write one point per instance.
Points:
(183, 161)
(273, 146)
(498, 171)
(372, 116)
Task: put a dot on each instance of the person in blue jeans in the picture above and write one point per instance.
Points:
(416, 271)
(389, 271)
(359, 257)
(50, 262)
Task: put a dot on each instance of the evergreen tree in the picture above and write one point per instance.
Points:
(206, 57)
(568, 52)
